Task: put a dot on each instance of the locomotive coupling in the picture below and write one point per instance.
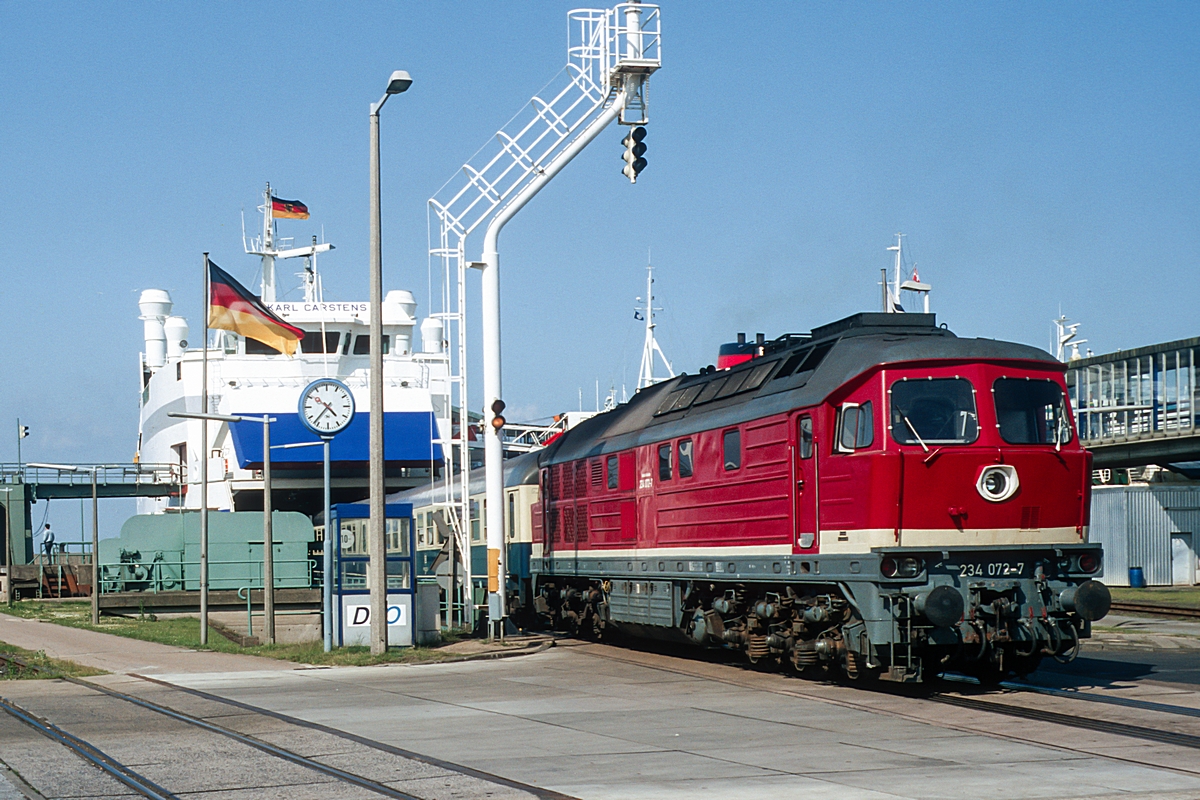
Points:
(1090, 600)
(943, 605)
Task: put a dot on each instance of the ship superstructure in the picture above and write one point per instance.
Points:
(246, 377)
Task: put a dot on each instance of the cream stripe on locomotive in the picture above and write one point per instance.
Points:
(862, 541)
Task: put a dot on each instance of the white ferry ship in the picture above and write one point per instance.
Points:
(246, 377)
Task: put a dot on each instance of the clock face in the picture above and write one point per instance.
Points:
(327, 406)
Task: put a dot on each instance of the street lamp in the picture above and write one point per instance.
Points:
(95, 531)
(327, 548)
(268, 538)
(377, 552)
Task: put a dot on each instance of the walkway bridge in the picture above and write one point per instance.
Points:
(112, 480)
(1140, 407)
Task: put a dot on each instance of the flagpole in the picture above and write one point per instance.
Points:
(204, 467)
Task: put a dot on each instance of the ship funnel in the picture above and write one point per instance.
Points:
(431, 335)
(176, 330)
(155, 305)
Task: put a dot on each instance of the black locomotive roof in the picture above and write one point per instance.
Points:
(794, 371)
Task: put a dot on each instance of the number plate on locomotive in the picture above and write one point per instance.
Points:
(992, 569)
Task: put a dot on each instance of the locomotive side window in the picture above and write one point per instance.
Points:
(613, 472)
(934, 411)
(685, 458)
(1031, 411)
(806, 437)
(733, 449)
(857, 427)
(664, 462)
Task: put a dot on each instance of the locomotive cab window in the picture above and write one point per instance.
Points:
(806, 437)
(733, 449)
(856, 428)
(613, 472)
(933, 411)
(1031, 411)
(664, 462)
(685, 458)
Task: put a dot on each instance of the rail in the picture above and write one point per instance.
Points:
(1157, 610)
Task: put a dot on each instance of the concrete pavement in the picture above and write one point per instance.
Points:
(122, 655)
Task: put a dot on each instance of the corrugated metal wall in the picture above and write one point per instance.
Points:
(1135, 523)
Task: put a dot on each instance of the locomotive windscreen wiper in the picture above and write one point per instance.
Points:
(908, 422)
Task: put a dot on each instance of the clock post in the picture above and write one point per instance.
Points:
(327, 408)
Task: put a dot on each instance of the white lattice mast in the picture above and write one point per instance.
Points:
(646, 312)
(610, 54)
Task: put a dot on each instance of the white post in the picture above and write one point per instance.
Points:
(204, 464)
(327, 558)
(493, 447)
(95, 552)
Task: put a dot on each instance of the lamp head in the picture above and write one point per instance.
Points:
(399, 82)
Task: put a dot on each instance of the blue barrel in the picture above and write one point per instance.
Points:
(1137, 578)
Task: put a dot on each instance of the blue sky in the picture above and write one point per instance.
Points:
(1037, 155)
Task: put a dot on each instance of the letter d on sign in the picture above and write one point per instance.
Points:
(362, 615)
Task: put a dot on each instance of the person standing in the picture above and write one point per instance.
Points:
(48, 541)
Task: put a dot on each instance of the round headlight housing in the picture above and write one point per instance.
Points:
(997, 482)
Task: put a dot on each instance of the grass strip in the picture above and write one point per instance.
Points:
(184, 631)
(30, 665)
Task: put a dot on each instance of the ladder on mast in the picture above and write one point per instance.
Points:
(610, 54)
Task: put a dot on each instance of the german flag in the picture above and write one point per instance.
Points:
(288, 209)
(231, 307)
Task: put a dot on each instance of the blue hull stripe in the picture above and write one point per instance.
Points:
(407, 436)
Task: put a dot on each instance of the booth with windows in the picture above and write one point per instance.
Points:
(352, 584)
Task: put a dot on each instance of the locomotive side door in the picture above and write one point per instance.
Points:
(805, 494)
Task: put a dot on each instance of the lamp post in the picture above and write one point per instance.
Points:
(95, 531)
(268, 537)
(376, 547)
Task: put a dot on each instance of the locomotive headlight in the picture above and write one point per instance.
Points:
(908, 567)
(998, 482)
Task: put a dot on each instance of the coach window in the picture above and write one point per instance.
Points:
(685, 458)
(933, 411)
(664, 462)
(613, 472)
(857, 427)
(806, 437)
(733, 449)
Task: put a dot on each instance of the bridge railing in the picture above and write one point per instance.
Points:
(106, 474)
(1147, 393)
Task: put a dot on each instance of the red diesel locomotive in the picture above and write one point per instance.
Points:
(880, 497)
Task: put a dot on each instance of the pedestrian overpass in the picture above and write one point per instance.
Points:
(1140, 407)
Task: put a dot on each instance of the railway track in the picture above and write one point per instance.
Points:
(1156, 610)
(246, 749)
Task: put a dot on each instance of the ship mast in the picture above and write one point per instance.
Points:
(264, 246)
(646, 372)
(268, 249)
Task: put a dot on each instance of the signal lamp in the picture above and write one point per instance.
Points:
(498, 422)
(635, 150)
(1088, 563)
(22, 431)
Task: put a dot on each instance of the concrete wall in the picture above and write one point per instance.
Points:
(1135, 523)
